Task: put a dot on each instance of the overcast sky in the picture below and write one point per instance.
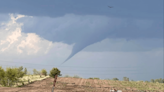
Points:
(87, 37)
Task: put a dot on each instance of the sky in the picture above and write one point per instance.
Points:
(85, 38)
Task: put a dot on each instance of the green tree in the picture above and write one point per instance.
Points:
(156, 80)
(20, 72)
(20, 68)
(115, 79)
(2, 75)
(11, 75)
(96, 78)
(25, 71)
(44, 72)
(152, 80)
(54, 71)
(35, 72)
(160, 80)
(126, 79)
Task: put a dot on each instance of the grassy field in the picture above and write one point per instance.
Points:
(77, 84)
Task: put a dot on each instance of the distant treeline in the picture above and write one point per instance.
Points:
(160, 80)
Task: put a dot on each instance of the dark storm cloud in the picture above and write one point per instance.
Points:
(89, 29)
(53, 8)
(75, 31)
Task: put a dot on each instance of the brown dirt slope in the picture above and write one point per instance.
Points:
(64, 85)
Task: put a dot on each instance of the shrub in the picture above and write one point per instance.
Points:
(90, 78)
(2, 75)
(126, 79)
(76, 76)
(44, 72)
(115, 79)
(35, 72)
(11, 75)
(20, 72)
(25, 71)
(67, 76)
(97, 78)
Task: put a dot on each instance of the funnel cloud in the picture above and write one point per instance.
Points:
(83, 31)
(73, 23)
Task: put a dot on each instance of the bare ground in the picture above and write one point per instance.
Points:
(65, 85)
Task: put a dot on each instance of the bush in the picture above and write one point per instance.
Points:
(90, 78)
(54, 71)
(25, 71)
(20, 72)
(67, 76)
(115, 79)
(126, 79)
(97, 78)
(10, 75)
(2, 75)
(76, 76)
(35, 72)
(44, 72)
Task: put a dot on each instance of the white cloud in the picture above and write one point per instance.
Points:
(16, 44)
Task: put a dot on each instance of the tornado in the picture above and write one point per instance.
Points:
(86, 41)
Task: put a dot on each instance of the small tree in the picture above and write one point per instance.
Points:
(96, 78)
(2, 75)
(25, 71)
(126, 79)
(152, 80)
(44, 72)
(90, 78)
(156, 80)
(11, 75)
(115, 79)
(20, 72)
(54, 73)
(35, 72)
(160, 80)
